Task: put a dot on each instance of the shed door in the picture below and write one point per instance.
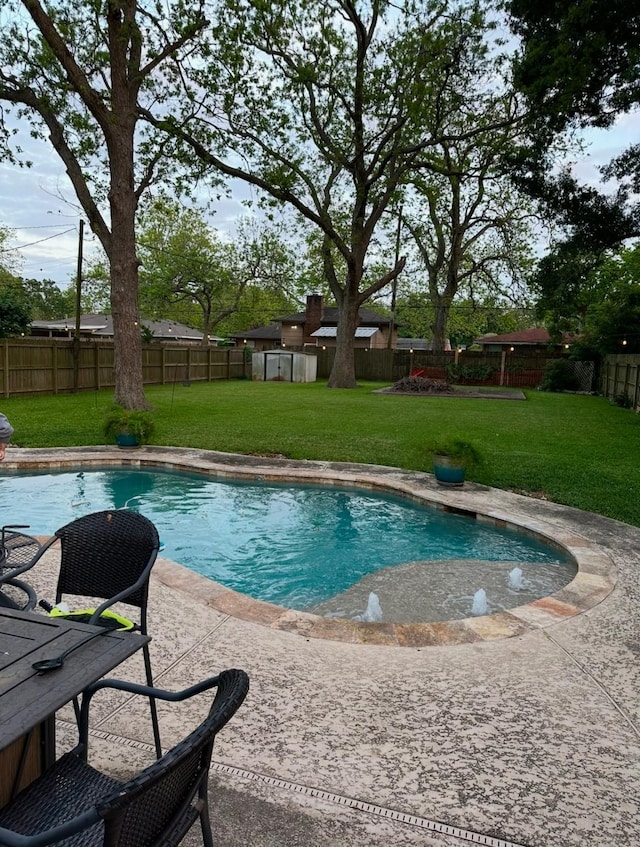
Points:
(278, 367)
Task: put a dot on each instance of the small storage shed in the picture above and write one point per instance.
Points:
(283, 366)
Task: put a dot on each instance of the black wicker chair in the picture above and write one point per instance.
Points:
(74, 805)
(109, 555)
(17, 553)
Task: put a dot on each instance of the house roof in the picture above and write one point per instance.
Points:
(535, 335)
(332, 331)
(272, 332)
(330, 316)
(102, 326)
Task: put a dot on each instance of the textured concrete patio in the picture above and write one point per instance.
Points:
(520, 728)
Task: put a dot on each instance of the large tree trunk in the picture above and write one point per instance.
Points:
(123, 260)
(343, 372)
(440, 322)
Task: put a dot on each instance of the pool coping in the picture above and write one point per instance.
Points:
(595, 578)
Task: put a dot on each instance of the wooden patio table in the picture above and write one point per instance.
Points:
(29, 699)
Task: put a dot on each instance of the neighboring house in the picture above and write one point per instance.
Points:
(418, 345)
(317, 326)
(535, 340)
(262, 338)
(101, 326)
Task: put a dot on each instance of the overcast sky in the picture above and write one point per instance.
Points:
(39, 205)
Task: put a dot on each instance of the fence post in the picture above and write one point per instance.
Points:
(6, 367)
(627, 381)
(54, 362)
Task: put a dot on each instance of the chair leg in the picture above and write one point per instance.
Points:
(205, 823)
(152, 702)
(76, 710)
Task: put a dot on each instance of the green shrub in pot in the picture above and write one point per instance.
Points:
(128, 427)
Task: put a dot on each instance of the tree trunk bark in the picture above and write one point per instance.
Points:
(440, 322)
(343, 372)
(127, 337)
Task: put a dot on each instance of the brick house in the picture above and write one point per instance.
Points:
(317, 326)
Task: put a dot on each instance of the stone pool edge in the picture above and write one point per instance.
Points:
(595, 579)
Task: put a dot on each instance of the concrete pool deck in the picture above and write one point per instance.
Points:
(489, 731)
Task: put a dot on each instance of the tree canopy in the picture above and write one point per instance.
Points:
(322, 106)
(80, 74)
(608, 302)
(579, 66)
(580, 59)
(15, 311)
(186, 265)
(471, 228)
(10, 259)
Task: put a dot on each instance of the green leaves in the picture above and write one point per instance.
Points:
(192, 272)
(15, 311)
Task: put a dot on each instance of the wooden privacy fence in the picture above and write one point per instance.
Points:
(620, 377)
(52, 366)
(463, 367)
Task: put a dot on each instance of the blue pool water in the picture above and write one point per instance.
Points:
(295, 545)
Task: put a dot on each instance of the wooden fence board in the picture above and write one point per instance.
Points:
(620, 377)
(47, 365)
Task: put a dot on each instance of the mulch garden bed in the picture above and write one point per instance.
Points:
(417, 386)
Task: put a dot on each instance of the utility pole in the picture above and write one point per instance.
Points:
(76, 335)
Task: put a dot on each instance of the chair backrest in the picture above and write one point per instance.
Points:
(156, 805)
(104, 553)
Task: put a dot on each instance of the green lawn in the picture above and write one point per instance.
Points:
(572, 449)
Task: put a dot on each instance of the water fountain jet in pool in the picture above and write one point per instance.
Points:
(480, 605)
(373, 611)
(516, 581)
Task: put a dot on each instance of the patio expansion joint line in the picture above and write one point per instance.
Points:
(455, 832)
(371, 808)
(600, 685)
(167, 670)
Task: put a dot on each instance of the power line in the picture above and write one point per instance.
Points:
(45, 226)
(41, 240)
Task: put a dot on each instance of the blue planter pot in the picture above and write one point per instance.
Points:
(127, 441)
(448, 471)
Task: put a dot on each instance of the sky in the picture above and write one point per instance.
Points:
(40, 207)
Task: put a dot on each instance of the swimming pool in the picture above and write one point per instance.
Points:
(294, 545)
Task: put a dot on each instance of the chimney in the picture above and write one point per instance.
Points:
(313, 314)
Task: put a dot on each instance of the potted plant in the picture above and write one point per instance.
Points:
(129, 427)
(451, 459)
